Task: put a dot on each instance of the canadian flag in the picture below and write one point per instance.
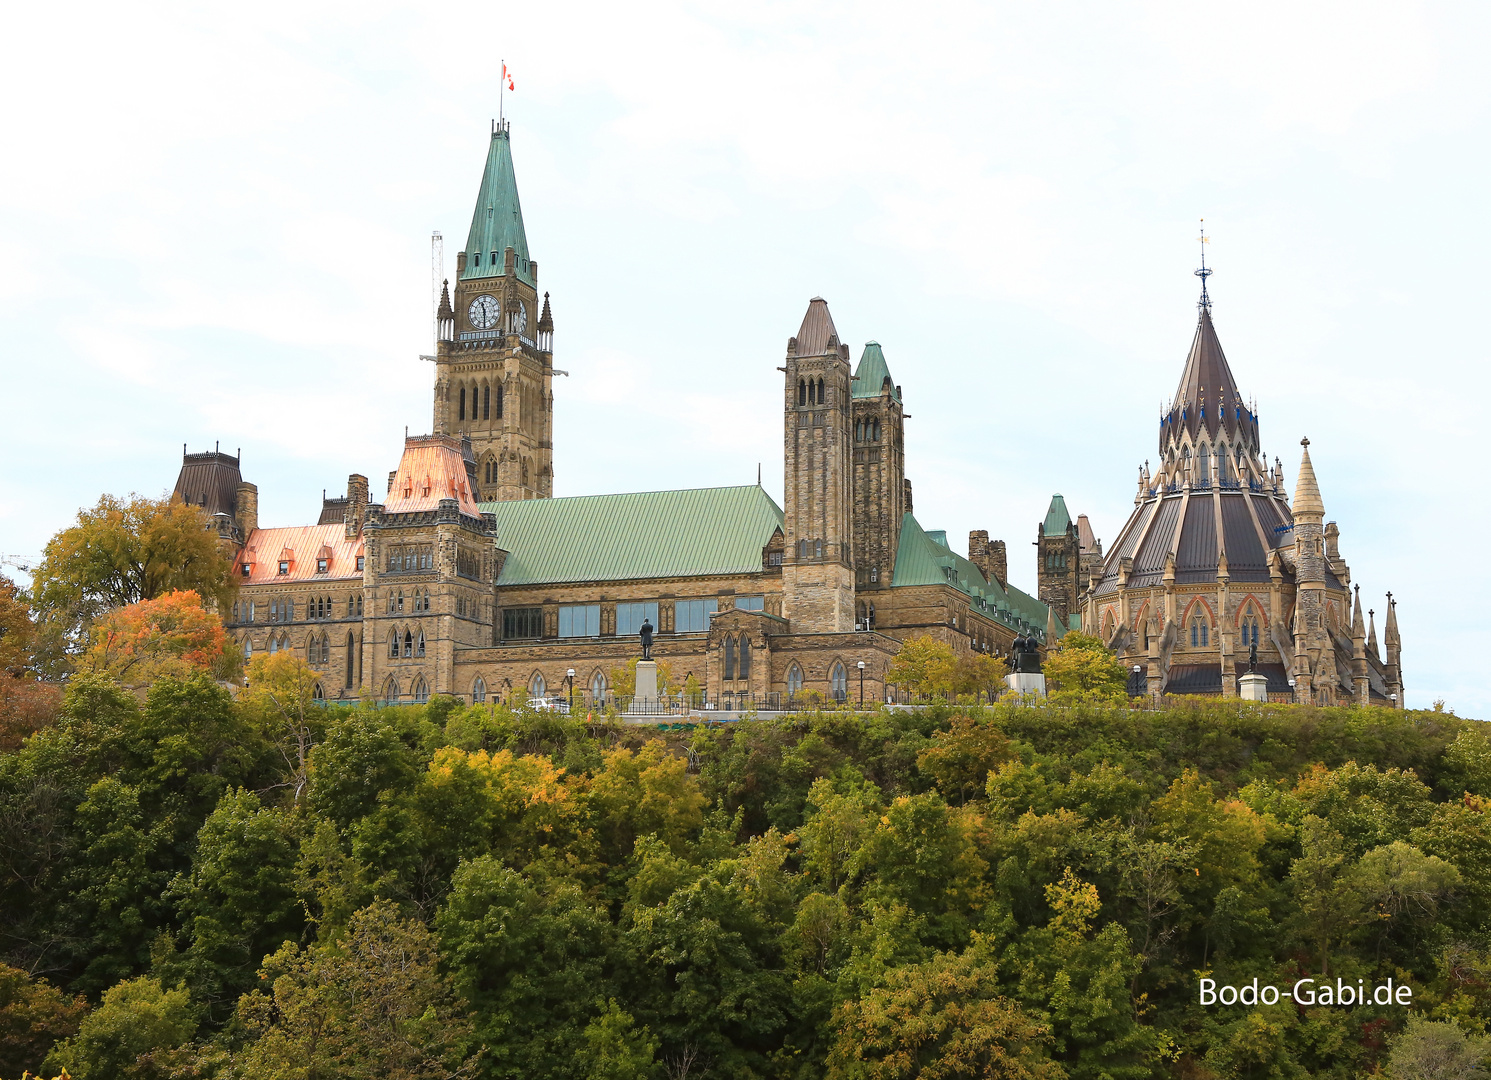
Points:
(507, 76)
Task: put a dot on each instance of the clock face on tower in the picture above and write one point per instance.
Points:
(484, 311)
(522, 319)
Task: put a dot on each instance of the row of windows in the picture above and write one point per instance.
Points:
(838, 681)
(481, 401)
(1201, 632)
(810, 392)
(412, 646)
(419, 693)
(737, 658)
(419, 600)
(323, 566)
(584, 620)
(810, 549)
(404, 559)
(316, 607)
(867, 431)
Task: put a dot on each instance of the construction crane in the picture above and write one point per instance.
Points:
(24, 563)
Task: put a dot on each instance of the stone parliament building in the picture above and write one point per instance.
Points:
(469, 578)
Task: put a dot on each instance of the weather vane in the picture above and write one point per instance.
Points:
(1204, 273)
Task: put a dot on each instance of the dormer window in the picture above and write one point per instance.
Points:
(494, 259)
(321, 565)
(284, 567)
(246, 570)
(476, 258)
(359, 563)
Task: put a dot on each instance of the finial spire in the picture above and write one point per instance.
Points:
(1205, 302)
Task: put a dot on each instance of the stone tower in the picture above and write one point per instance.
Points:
(818, 563)
(879, 469)
(494, 360)
(1311, 637)
(1059, 572)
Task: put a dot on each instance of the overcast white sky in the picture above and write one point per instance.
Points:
(215, 225)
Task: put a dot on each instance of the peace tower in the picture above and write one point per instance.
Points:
(494, 359)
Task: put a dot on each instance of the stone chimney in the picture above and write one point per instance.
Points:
(998, 569)
(906, 495)
(357, 503)
(248, 508)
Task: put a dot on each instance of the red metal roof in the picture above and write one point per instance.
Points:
(300, 546)
(432, 468)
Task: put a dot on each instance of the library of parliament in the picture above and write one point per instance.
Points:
(466, 576)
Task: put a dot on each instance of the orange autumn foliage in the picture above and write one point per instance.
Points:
(170, 636)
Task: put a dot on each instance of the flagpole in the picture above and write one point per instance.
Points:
(500, 87)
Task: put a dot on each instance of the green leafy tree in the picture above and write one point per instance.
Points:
(960, 758)
(238, 901)
(372, 1006)
(1429, 1050)
(616, 1048)
(924, 666)
(1081, 669)
(134, 1018)
(940, 1020)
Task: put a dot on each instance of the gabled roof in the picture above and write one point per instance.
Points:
(1057, 519)
(433, 468)
(921, 560)
(817, 336)
(872, 377)
(497, 222)
(650, 534)
(300, 546)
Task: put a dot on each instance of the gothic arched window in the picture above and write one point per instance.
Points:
(419, 648)
(391, 691)
(499, 403)
(876, 436)
(421, 691)
(479, 690)
(351, 648)
(536, 685)
(839, 680)
(461, 409)
(820, 391)
(743, 658)
(802, 392)
(1200, 632)
(730, 658)
(794, 680)
(486, 401)
(598, 686)
(393, 644)
(408, 644)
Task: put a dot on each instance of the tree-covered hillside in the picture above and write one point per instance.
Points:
(198, 885)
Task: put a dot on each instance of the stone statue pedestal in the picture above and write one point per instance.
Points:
(646, 693)
(1253, 687)
(1026, 683)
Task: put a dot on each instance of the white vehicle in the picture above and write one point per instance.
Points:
(548, 705)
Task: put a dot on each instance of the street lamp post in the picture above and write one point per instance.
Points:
(861, 684)
(570, 678)
(1291, 691)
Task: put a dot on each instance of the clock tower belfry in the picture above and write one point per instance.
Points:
(494, 369)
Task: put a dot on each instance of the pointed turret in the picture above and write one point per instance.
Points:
(1390, 631)
(1050, 626)
(497, 222)
(872, 377)
(1358, 627)
(817, 336)
(1207, 398)
(1308, 507)
(1372, 634)
(546, 328)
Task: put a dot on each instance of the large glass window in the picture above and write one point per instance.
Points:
(692, 616)
(751, 603)
(629, 617)
(522, 622)
(579, 620)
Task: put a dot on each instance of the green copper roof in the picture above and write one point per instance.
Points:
(650, 534)
(921, 560)
(497, 223)
(872, 374)
(1057, 519)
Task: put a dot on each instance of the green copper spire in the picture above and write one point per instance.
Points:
(1057, 519)
(497, 223)
(873, 374)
